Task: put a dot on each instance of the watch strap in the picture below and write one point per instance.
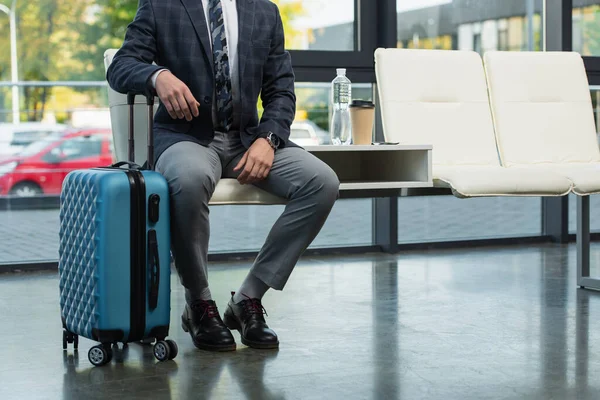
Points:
(273, 140)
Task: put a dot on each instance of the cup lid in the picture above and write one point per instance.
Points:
(362, 103)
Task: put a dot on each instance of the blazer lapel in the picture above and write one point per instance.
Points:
(195, 11)
(245, 10)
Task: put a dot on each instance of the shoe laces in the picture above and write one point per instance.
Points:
(253, 306)
(209, 308)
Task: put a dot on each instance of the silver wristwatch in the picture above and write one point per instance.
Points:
(273, 140)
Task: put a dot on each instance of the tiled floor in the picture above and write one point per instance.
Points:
(467, 324)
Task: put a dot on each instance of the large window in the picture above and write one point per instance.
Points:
(478, 25)
(66, 126)
(64, 121)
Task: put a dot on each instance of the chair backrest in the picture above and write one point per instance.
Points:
(542, 108)
(437, 97)
(119, 116)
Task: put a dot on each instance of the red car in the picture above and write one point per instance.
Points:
(42, 166)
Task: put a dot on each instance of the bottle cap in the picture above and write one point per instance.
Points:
(341, 71)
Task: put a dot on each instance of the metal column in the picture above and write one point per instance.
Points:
(385, 224)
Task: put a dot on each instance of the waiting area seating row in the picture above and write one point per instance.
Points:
(510, 124)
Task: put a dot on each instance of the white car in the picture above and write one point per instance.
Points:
(307, 133)
(14, 138)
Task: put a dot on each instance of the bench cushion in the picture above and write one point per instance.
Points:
(585, 177)
(476, 181)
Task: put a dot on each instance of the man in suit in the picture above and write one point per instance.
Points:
(208, 61)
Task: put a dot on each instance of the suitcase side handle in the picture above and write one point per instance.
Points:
(131, 149)
(130, 164)
(154, 269)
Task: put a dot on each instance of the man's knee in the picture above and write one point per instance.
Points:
(197, 183)
(190, 169)
(190, 181)
(329, 185)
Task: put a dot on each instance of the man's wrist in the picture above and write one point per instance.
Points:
(273, 140)
(155, 76)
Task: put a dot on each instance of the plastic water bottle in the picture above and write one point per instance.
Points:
(340, 128)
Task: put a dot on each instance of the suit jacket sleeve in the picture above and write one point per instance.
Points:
(277, 93)
(131, 68)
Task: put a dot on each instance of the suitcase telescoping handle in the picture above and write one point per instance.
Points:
(150, 103)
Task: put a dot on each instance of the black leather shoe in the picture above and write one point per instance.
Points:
(247, 318)
(205, 326)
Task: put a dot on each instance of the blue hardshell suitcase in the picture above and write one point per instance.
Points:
(114, 255)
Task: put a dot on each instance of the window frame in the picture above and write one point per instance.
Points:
(319, 65)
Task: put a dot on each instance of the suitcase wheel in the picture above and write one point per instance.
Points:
(100, 355)
(165, 350)
(69, 337)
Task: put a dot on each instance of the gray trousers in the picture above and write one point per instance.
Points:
(193, 172)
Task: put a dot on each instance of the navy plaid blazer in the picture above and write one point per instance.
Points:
(173, 35)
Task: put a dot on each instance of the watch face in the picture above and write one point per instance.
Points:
(274, 139)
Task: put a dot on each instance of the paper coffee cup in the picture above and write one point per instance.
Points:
(362, 114)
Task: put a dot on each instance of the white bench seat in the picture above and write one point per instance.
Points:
(491, 180)
(543, 115)
(440, 97)
(585, 177)
(228, 191)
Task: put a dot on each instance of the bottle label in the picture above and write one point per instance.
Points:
(341, 94)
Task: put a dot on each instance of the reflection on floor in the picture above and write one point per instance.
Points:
(466, 324)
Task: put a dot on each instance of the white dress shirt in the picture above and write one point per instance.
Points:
(230, 19)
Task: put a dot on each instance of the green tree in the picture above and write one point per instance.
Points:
(590, 26)
(47, 33)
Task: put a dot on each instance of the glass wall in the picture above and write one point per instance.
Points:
(446, 218)
(64, 122)
(66, 126)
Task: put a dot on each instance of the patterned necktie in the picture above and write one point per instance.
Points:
(221, 66)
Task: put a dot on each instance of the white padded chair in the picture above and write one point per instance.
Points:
(543, 114)
(448, 107)
(228, 191)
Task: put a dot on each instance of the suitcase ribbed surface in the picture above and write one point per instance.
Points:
(78, 252)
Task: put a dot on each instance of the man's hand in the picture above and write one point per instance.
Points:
(256, 162)
(176, 96)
